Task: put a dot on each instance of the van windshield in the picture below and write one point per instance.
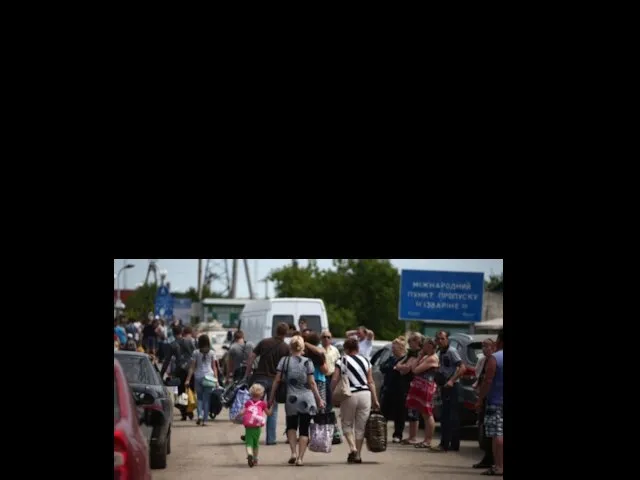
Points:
(313, 322)
(288, 319)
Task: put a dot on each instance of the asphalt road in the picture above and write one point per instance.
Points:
(217, 451)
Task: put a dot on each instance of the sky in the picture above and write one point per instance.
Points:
(183, 273)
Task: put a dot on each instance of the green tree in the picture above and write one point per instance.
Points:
(141, 302)
(358, 292)
(494, 284)
(293, 281)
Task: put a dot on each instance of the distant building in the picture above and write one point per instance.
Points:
(124, 294)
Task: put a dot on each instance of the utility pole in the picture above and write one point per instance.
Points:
(199, 279)
(234, 279)
(266, 287)
(246, 271)
(255, 276)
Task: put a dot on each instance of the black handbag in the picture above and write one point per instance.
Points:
(281, 392)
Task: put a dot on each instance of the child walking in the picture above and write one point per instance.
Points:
(253, 419)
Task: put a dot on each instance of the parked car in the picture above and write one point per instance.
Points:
(469, 346)
(130, 447)
(377, 360)
(144, 381)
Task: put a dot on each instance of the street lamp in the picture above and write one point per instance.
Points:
(127, 266)
(163, 275)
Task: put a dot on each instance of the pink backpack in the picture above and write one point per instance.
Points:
(254, 415)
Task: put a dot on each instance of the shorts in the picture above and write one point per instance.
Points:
(493, 421)
(302, 420)
(252, 436)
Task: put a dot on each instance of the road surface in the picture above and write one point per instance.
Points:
(216, 451)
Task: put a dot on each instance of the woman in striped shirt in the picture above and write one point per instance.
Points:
(354, 410)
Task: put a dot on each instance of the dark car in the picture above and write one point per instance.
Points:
(130, 447)
(144, 380)
(377, 360)
(469, 346)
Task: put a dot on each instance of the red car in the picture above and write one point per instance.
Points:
(130, 447)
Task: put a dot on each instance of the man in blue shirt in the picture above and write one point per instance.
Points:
(492, 390)
(119, 331)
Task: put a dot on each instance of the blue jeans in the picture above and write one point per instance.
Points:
(450, 421)
(272, 421)
(204, 400)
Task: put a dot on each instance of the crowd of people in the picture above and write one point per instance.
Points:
(310, 367)
(419, 369)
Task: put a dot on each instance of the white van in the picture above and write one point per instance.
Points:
(260, 318)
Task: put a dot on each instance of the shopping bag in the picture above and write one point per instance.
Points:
(242, 396)
(191, 400)
(183, 399)
(320, 437)
(375, 433)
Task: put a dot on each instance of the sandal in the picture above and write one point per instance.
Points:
(250, 460)
(492, 472)
(407, 442)
(351, 458)
(422, 445)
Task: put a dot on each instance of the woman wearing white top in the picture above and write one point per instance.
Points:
(203, 363)
(354, 410)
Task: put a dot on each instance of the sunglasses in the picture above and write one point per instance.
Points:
(326, 337)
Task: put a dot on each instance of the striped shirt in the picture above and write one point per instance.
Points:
(357, 367)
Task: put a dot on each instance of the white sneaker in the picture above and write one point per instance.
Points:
(396, 440)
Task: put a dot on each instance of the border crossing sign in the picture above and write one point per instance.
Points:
(164, 302)
(436, 296)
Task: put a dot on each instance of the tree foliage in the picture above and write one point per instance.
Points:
(358, 292)
(141, 302)
(494, 284)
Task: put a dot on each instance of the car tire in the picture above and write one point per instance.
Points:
(158, 457)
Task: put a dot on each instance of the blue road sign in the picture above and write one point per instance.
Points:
(164, 302)
(427, 295)
(182, 309)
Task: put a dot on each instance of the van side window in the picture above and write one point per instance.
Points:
(313, 322)
(288, 319)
